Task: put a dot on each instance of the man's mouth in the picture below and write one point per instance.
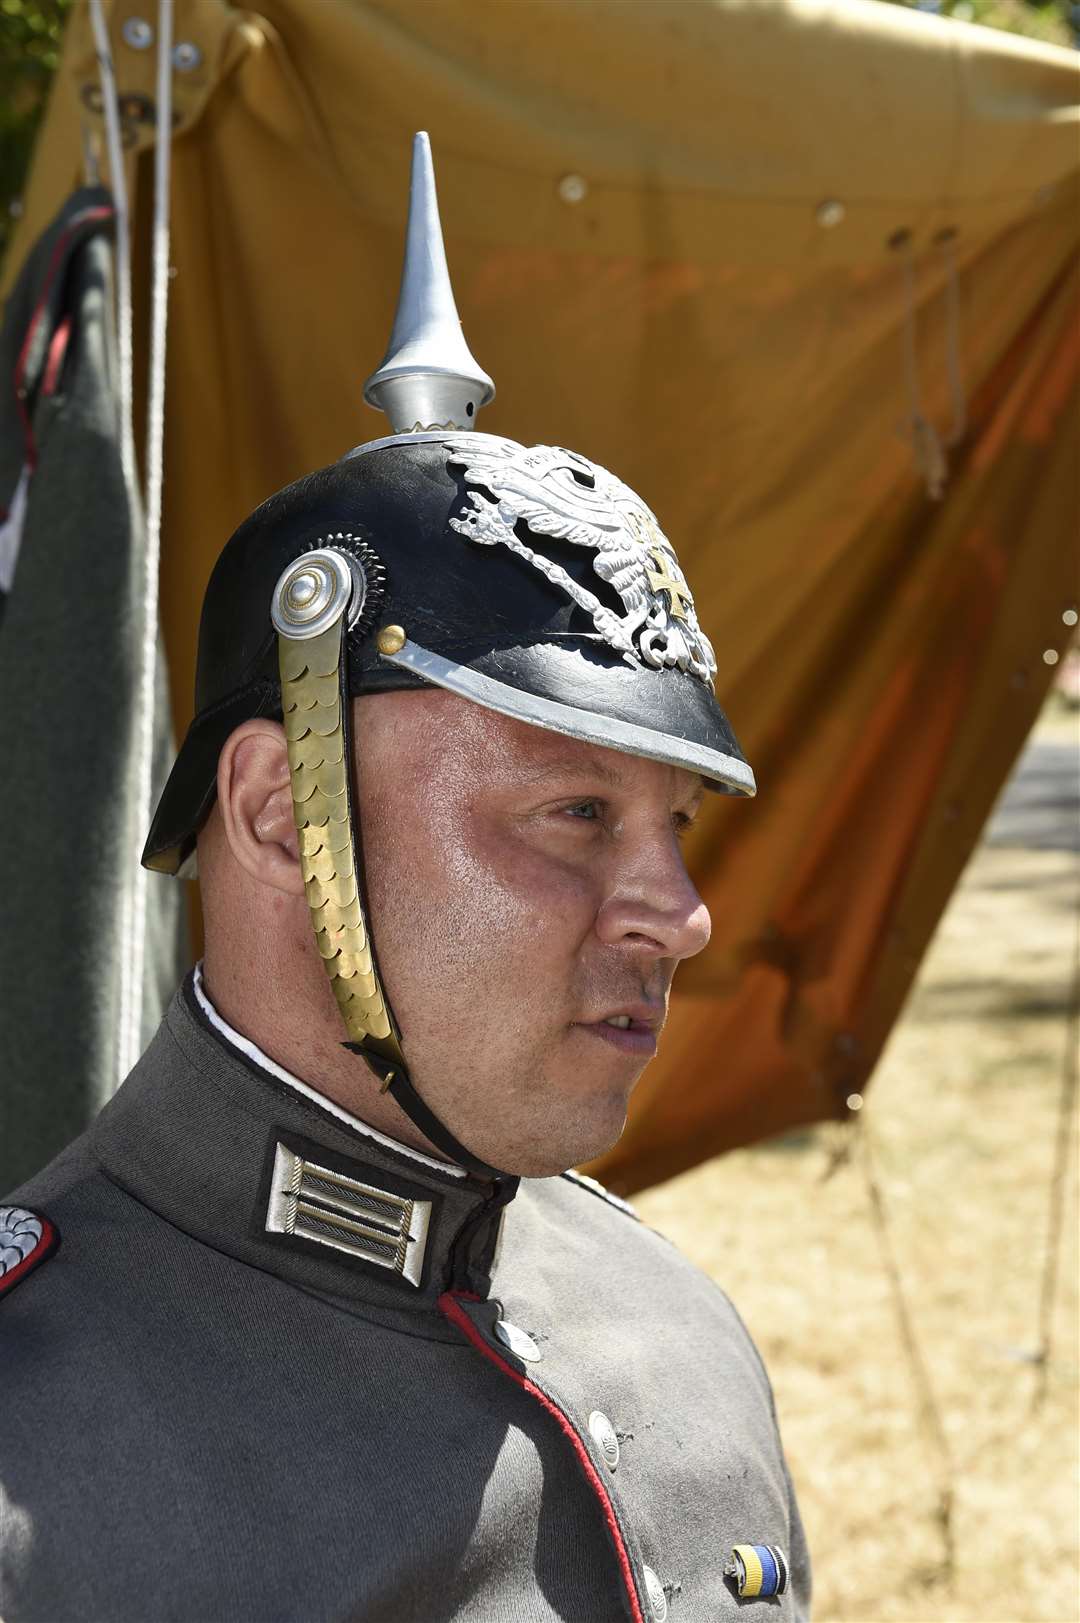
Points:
(630, 1033)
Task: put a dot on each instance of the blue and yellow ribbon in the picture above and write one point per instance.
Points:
(758, 1570)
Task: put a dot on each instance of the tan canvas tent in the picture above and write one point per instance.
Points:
(806, 276)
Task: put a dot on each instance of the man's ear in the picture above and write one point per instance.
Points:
(255, 798)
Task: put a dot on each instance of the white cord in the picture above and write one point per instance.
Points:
(117, 175)
(155, 447)
(929, 455)
(953, 350)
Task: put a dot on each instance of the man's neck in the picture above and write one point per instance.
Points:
(392, 1129)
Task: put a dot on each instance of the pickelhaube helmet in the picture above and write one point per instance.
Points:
(526, 579)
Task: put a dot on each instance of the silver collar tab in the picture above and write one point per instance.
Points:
(312, 1202)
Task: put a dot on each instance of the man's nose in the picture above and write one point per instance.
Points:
(655, 905)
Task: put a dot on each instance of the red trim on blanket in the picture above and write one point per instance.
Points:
(102, 211)
(57, 350)
(48, 1243)
(449, 1304)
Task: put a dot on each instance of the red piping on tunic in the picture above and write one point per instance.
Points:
(451, 1307)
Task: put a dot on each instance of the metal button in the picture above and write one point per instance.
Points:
(603, 1435)
(655, 1591)
(391, 639)
(137, 33)
(186, 56)
(830, 212)
(520, 1343)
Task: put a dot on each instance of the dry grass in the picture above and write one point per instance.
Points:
(961, 1118)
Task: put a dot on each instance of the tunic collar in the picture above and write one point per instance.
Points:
(228, 1146)
(263, 1062)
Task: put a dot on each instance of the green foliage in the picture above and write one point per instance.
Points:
(30, 33)
(1055, 21)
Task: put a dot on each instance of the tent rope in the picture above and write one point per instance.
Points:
(929, 455)
(91, 163)
(155, 445)
(1070, 1074)
(929, 1409)
(946, 241)
(118, 178)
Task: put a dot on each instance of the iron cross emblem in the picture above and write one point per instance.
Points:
(662, 581)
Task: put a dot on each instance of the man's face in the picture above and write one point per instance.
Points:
(525, 888)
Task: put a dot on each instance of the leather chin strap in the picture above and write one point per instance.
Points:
(318, 600)
(421, 1115)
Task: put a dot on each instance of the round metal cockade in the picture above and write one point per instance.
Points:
(315, 590)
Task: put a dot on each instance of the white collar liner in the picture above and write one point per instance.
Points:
(254, 1052)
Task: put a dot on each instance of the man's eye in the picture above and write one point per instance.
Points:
(588, 810)
(682, 825)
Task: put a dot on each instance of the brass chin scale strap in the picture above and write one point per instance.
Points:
(311, 602)
(317, 599)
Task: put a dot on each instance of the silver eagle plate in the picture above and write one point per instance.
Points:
(560, 494)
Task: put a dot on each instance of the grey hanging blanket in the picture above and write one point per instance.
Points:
(72, 546)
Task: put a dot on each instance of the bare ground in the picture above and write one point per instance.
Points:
(960, 1124)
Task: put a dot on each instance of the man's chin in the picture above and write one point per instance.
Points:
(550, 1122)
(565, 1145)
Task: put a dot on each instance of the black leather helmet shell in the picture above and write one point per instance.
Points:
(479, 618)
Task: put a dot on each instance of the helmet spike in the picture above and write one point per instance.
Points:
(428, 378)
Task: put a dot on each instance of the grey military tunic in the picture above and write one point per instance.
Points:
(281, 1368)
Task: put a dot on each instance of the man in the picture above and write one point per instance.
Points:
(332, 1332)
